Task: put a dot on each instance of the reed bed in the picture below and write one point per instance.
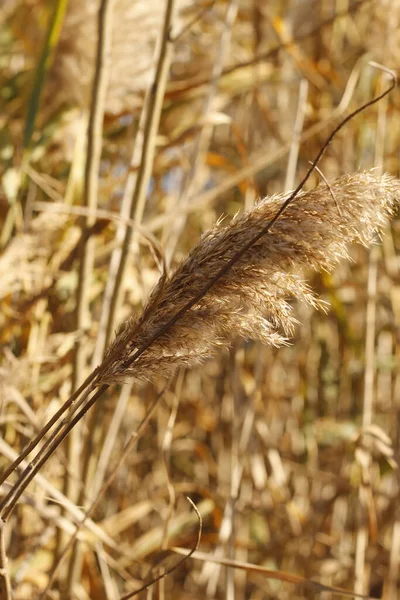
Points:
(163, 338)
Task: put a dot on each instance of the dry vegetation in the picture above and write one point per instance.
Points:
(119, 150)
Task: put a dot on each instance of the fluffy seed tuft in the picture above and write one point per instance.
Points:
(251, 299)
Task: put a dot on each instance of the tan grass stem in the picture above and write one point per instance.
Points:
(35, 441)
(367, 514)
(50, 447)
(147, 156)
(192, 179)
(5, 583)
(86, 249)
(91, 179)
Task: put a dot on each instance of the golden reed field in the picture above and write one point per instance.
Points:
(199, 299)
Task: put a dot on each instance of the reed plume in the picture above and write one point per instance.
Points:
(252, 298)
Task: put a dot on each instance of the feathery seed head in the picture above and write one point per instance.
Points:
(251, 298)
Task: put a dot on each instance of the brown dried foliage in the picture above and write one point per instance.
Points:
(271, 445)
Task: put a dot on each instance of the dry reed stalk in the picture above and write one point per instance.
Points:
(193, 178)
(251, 300)
(91, 179)
(77, 462)
(134, 204)
(361, 571)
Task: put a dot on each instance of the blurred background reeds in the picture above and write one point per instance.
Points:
(128, 128)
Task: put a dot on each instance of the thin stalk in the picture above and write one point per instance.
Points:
(166, 456)
(50, 448)
(5, 583)
(297, 131)
(112, 435)
(53, 34)
(33, 443)
(147, 157)
(86, 250)
(124, 221)
(202, 141)
(91, 176)
(26, 475)
(361, 570)
(133, 204)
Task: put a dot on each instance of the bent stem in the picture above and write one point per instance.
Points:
(33, 443)
(88, 386)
